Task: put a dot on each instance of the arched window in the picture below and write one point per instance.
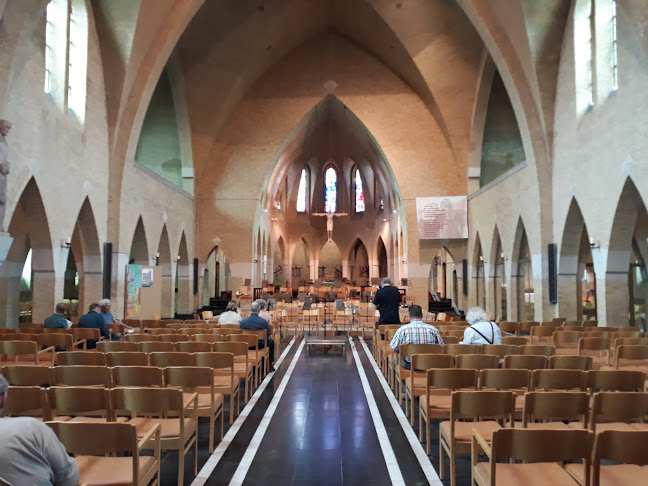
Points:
(301, 193)
(613, 29)
(583, 48)
(359, 193)
(330, 190)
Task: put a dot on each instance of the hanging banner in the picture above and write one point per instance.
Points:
(133, 288)
(442, 218)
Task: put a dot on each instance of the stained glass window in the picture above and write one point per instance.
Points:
(301, 193)
(359, 194)
(330, 190)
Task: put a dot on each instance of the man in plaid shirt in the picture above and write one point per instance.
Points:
(416, 332)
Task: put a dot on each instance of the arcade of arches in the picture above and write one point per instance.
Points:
(212, 137)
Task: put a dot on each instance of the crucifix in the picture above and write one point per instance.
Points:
(329, 222)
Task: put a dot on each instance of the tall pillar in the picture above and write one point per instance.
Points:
(118, 283)
(168, 293)
(90, 290)
(185, 295)
(47, 291)
(567, 295)
(612, 299)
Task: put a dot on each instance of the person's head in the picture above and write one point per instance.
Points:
(5, 126)
(416, 312)
(232, 306)
(61, 308)
(385, 282)
(104, 304)
(94, 307)
(262, 304)
(476, 314)
(255, 307)
(4, 388)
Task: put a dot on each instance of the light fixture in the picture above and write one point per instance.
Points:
(503, 256)
(66, 243)
(394, 211)
(385, 219)
(593, 243)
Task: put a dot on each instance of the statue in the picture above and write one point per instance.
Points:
(5, 126)
(329, 223)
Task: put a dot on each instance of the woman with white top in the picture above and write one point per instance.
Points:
(481, 331)
(231, 315)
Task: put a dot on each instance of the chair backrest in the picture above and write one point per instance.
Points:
(86, 333)
(510, 327)
(80, 358)
(525, 361)
(26, 375)
(455, 349)
(594, 345)
(571, 362)
(514, 340)
(156, 346)
(236, 348)
(213, 338)
(566, 338)
(501, 350)
(618, 407)
(79, 400)
(140, 337)
(453, 333)
(628, 334)
(26, 401)
(634, 354)
(149, 401)
(117, 346)
(251, 339)
(558, 379)
(483, 404)
(137, 376)
(476, 361)
(175, 358)
(160, 331)
(621, 446)
(451, 340)
(423, 362)
(193, 346)
(504, 379)
(207, 315)
(555, 406)
(127, 358)
(197, 379)
(615, 380)
(83, 376)
(174, 338)
(410, 349)
(451, 378)
(17, 347)
(96, 439)
(55, 339)
(542, 333)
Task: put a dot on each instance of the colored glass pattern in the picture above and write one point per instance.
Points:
(330, 190)
(301, 193)
(359, 194)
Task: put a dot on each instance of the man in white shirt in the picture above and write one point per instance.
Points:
(231, 315)
(481, 331)
(30, 452)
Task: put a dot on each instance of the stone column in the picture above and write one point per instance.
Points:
(612, 298)
(118, 284)
(90, 290)
(185, 294)
(47, 291)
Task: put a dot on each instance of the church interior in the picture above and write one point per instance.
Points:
(175, 155)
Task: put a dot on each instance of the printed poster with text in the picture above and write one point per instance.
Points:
(442, 218)
(133, 286)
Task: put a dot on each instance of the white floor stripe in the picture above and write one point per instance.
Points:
(212, 462)
(253, 447)
(419, 452)
(388, 452)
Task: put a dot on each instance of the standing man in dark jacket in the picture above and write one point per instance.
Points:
(387, 301)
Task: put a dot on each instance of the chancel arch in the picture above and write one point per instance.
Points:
(359, 263)
(139, 254)
(183, 303)
(330, 263)
(215, 277)
(499, 282)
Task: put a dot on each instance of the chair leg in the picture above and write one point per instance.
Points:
(427, 438)
(232, 407)
(181, 460)
(412, 409)
(420, 426)
(222, 417)
(212, 423)
(195, 454)
(441, 452)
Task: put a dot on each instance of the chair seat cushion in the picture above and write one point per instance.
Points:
(463, 430)
(111, 471)
(613, 475)
(536, 474)
(169, 428)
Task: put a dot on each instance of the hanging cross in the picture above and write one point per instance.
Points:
(329, 222)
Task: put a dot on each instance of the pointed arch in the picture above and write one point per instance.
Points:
(522, 276)
(358, 262)
(499, 282)
(163, 260)
(480, 274)
(184, 304)
(86, 249)
(139, 254)
(382, 258)
(330, 262)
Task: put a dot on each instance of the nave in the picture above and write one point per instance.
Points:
(312, 423)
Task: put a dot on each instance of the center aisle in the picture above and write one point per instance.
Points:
(322, 431)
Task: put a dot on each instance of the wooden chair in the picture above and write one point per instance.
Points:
(455, 349)
(83, 403)
(631, 357)
(26, 352)
(615, 380)
(178, 433)
(25, 375)
(406, 351)
(566, 342)
(146, 376)
(56, 341)
(484, 409)
(558, 379)
(95, 447)
(573, 362)
(27, 401)
(451, 340)
(597, 347)
(540, 450)
(555, 410)
(501, 350)
(539, 349)
(616, 410)
(140, 337)
(174, 338)
(127, 358)
(514, 340)
(156, 347)
(86, 336)
(525, 361)
(200, 380)
(415, 383)
(207, 315)
(225, 381)
(83, 376)
(80, 358)
(172, 358)
(627, 449)
(242, 368)
(433, 405)
(476, 361)
(516, 381)
(161, 331)
(510, 328)
(193, 347)
(542, 334)
(117, 346)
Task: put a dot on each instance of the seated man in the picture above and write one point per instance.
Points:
(104, 309)
(416, 332)
(58, 320)
(263, 312)
(30, 452)
(231, 315)
(481, 331)
(254, 322)
(94, 320)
